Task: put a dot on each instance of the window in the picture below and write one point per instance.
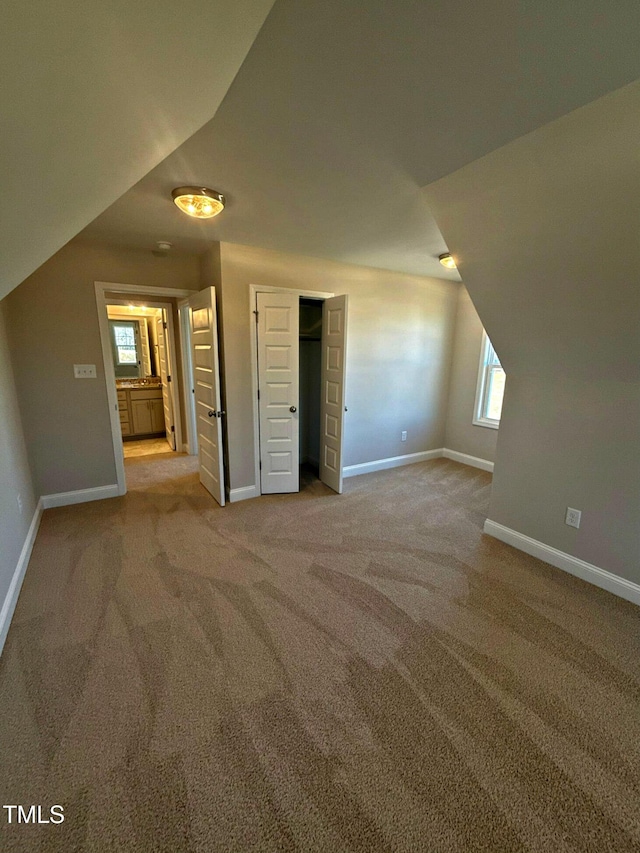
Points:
(125, 340)
(490, 390)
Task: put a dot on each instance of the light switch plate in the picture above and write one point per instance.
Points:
(84, 371)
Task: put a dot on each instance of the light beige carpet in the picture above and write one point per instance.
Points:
(314, 673)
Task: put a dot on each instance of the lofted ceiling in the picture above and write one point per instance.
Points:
(546, 230)
(342, 111)
(96, 94)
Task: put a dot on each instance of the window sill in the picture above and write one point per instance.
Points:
(485, 422)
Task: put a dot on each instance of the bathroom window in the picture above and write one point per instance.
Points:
(124, 336)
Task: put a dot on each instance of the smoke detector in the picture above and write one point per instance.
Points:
(163, 247)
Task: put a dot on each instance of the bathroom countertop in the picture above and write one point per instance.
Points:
(135, 384)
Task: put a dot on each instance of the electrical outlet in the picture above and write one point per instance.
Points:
(572, 517)
(84, 371)
(19, 499)
(403, 435)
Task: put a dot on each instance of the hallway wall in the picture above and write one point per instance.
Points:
(53, 324)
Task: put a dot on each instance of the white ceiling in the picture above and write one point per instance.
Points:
(96, 94)
(342, 111)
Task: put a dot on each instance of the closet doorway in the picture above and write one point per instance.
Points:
(299, 341)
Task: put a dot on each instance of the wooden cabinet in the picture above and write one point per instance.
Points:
(124, 412)
(141, 411)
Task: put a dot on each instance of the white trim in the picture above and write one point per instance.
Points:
(486, 422)
(243, 494)
(173, 368)
(11, 598)
(254, 289)
(110, 381)
(465, 459)
(303, 294)
(191, 444)
(573, 565)
(143, 289)
(478, 418)
(391, 462)
(80, 496)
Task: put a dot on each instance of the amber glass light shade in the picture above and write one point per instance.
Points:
(200, 202)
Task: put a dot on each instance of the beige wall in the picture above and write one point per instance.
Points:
(400, 337)
(53, 324)
(15, 474)
(461, 433)
(546, 233)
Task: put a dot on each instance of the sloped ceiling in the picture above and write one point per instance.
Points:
(546, 231)
(343, 111)
(96, 94)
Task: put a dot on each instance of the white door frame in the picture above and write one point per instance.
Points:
(136, 291)
(191, 445)
(253, 290)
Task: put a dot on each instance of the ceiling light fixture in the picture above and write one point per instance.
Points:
(200, 202)
(447, 261)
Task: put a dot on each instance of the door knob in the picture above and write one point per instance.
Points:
(220, 414)
(211, 414)
(292, 409)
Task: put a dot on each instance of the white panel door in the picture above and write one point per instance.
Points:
(278, 356)
(206, 390)
(165, 375)
(334, 359)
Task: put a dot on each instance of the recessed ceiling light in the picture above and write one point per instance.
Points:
(200, 202)
(447, 261)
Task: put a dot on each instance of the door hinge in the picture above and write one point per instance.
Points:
(164, 325)
(173, 429)
(258, 393)
(168, 379)
(256, 313)
(260, 464)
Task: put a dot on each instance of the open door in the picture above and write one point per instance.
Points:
(332, 408)
(278, 367)
(206, 382)
(165, 375)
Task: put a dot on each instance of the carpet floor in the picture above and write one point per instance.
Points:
(311, 672)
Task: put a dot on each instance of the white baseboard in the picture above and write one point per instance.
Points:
(243, 494)
(11, 598)
(390, 462)
(474, 461)
(80, 496)
(573, 565)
